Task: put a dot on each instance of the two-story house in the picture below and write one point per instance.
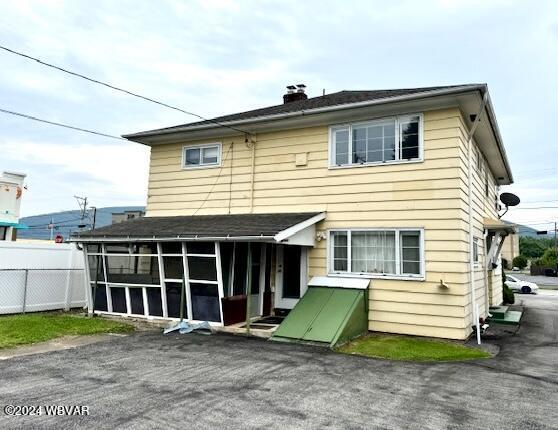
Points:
(393, 191)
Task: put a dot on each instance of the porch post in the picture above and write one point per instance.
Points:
(87, 277)
(220, 279)
(248, 287)
(162, 279)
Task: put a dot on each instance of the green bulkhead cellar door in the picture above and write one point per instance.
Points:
(327, 314)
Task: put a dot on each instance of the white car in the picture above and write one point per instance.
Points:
(524, 287)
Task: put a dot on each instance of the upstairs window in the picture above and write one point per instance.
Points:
(201, 156)
(396, 139)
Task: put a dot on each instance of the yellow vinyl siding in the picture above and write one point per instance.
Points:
(483, 207)
(431, 194)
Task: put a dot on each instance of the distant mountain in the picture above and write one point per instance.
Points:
(67, 222)
(524, 230)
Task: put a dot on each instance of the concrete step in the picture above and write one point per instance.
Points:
(498, 312)
(510, 318)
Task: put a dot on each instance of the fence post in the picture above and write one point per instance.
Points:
(25, 290)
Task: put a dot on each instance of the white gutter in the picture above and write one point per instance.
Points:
(168, 239)
(474, 308)
(263, 118)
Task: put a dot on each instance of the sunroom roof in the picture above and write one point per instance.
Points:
(276, 227)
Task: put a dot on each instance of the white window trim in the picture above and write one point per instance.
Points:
(399, 276)
(219, 146)
(477, 242)
(398, 120)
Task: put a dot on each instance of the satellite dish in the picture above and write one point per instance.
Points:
(509, 199)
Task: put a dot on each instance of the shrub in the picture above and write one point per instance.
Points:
(536, 262)
(520, 261)
(550, 257)
(507, 295)
(534, 247)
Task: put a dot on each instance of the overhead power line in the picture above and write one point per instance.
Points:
(528, 223)
(537, 207)
(113, 87)
(45, 225)
(539, 201)
(59, 124)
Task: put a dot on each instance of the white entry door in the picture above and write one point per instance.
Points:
(291, 275)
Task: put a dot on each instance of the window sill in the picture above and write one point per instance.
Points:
(420, 278)
(211, 166)
(387, 163)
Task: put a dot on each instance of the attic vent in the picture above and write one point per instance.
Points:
(295, 93)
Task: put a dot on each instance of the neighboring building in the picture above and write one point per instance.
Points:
(381, 189)
(510, 249)
(11, 191)
(126, 216)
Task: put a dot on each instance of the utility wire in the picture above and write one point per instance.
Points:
(537, 207)
(55, 223)
(96, 81)
(71, 127)
(216, 180)
(540, 201)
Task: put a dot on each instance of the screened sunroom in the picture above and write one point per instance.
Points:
(138, 268)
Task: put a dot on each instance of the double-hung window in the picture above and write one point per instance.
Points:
(385, 252)
(475, 250)
(395, 139)
(201, 155)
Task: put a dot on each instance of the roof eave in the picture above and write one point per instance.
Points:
(497, 135)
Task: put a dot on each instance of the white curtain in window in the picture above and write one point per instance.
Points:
(373, 251)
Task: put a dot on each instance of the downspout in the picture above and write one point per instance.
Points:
(474, 126)
(487, 261)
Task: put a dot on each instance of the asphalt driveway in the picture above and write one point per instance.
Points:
(150, 381)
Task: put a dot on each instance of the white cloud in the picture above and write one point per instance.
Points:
(217, 57)
(107, 174)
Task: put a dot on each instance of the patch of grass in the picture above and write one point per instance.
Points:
(410, 349)
(24, 329)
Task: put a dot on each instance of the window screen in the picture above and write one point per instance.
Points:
(410, 252)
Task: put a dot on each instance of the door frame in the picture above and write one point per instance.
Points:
(281, 302)
(261, 277)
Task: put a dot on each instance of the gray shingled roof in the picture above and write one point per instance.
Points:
(199, 226)
(333, 99)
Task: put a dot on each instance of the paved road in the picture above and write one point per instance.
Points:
(148, 381)
(541, 281)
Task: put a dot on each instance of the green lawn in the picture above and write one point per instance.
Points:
(410, 349)
(23, 329)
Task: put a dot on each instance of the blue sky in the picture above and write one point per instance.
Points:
(218, 57)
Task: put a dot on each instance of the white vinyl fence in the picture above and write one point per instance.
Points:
(40, 276)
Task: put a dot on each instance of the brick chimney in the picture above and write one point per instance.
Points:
(295, 94)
